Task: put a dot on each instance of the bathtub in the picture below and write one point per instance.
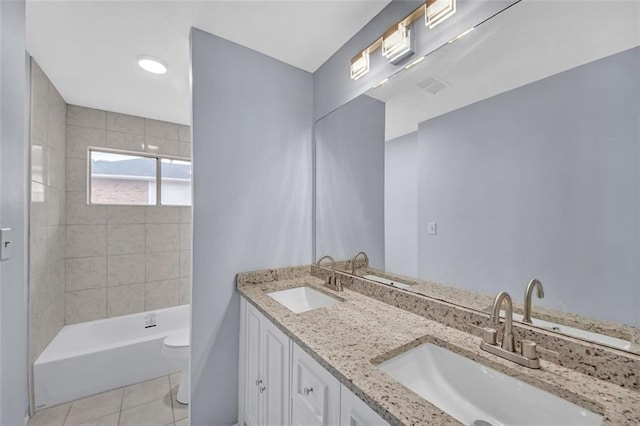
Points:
(97, 356)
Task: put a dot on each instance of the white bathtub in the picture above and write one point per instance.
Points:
(97, 356)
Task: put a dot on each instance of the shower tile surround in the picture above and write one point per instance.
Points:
(350, 338)
(90, 262)
(122, 259)
(47, 212)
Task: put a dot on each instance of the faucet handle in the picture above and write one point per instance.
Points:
(528, 349)
(489, 335)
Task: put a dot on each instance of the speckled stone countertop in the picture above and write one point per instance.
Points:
(482, 302)
(350, 338)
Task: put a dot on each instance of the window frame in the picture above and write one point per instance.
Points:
(157, 157)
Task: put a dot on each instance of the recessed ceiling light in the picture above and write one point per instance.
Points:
(151, 64)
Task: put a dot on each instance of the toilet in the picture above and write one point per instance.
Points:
(176, 347)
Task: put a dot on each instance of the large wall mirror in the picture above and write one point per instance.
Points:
(509, 154)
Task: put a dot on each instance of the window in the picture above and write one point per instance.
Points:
(118, 177)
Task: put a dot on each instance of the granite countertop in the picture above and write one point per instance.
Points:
(350, 338)
(483, 302)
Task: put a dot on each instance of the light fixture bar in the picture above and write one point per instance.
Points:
(459, 36)
(436, 11)
(380, 83)
(414, 63)
(397, 44)
(360, 65)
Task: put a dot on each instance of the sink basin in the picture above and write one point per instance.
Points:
(475, 394)
(302, 299)
(576, 332)
(386, 281)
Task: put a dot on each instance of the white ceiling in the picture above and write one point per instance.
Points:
(89, 49)
(532, 40)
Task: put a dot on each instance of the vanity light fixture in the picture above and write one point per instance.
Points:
(397, 44)
(436, 11)
(459, 36)
(152, 65)
(414, 63)
(360, 65)
(380, 83)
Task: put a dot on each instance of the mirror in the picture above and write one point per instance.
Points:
(509, 154)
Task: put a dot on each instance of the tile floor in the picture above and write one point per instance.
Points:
(151, 403)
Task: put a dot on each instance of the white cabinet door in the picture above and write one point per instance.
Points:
(315, 392)
(276, 362)
(354, 412)
(265, 371)
(281, 385)
(253, 381)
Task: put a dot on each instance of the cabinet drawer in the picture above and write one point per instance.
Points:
(315, 392)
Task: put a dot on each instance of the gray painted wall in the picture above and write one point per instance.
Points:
(14, 150)
(401, 205)
(334, 87)
(541, 181)
(252, 128)
(350, 181)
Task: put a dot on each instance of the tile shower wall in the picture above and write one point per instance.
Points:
(47, 223)
(122, 259)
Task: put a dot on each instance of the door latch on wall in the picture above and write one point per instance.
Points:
(5, 243)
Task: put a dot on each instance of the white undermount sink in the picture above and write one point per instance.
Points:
(302, 299)
(478, 395)
(386, 281)
(576, 332)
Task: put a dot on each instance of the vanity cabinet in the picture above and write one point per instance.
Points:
(315, 393)
(280, 384)
(265, 370)
(354, 412)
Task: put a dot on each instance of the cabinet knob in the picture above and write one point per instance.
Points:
(258, 382)
(262, 388)
(307, 391)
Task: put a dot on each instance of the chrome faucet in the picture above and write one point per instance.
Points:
(528, 356)
(507, 339)
(332, 280)
(355, 257)
(527, 298)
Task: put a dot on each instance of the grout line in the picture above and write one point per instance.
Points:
(121, 405)
(173, 408)
(66, 416)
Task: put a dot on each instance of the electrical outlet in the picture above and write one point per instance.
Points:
(432, 228)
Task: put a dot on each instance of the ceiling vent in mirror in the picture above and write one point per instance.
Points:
(397, 44)
(438, 10)
(432, 85)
